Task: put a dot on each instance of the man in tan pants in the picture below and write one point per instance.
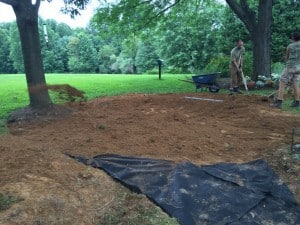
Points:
(291, 74)
(235, 66)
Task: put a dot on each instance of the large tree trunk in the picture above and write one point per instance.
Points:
(261, 54)
(261, 38)
(27, 21)
(259, 28)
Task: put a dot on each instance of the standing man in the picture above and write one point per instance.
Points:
(235, 66)
(291, 73)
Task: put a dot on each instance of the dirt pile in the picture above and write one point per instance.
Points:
(205, 129)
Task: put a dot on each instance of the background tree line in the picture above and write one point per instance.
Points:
(195, 37)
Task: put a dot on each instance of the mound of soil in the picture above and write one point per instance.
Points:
(205, 128)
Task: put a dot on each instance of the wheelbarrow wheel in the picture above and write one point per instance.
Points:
(214, 88)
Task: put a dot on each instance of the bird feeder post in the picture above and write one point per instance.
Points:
(160, 63)
(45, 34)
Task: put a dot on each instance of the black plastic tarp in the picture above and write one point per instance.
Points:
(224, 193)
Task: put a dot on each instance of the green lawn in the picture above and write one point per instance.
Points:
(13, 89)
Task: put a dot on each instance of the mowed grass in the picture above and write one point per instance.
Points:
(14, 95)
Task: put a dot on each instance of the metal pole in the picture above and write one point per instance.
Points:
(159, 71)
(45, 33)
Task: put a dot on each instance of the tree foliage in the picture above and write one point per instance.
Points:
(146, 57)
(286, 19)
(83, 56)
(15, 49)
(6, 65)
(191, 37)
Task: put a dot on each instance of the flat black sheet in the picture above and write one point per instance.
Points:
(225, 193)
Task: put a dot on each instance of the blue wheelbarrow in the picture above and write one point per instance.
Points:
(205, 81)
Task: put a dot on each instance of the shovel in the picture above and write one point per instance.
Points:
(244, 80)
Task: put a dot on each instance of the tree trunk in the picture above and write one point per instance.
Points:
(261, 54)
(261, 38)
(259, 28)
(27, 21)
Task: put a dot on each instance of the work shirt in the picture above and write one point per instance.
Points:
(293, 55)
(236, 55)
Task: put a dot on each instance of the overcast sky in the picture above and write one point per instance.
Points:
(52, 11)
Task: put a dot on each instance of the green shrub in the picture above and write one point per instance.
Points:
(154, 70)
(221, 64)
(277, 67)
(172, 70)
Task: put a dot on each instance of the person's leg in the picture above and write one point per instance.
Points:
(296, 94)
(278, 101)
(296, 90)
(282, 86)
(233, 79)
(239, 80)
(234, 88)
(284, 79)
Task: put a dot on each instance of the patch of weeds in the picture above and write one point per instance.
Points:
(86, 178)
(53, 210)
(152, 216)
(134, 209)
(101, 127)
(6, 201)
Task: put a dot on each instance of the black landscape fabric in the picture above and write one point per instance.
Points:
(224, 193)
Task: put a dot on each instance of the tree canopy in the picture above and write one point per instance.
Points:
(190, 36)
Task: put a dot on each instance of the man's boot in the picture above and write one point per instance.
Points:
(277, 104)
(236, 90)
(295, 103)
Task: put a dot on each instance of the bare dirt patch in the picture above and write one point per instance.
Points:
(58, 190)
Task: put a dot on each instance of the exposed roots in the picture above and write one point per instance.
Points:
(29, 114)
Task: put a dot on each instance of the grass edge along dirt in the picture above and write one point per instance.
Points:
(13, 95)
(13, 89)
